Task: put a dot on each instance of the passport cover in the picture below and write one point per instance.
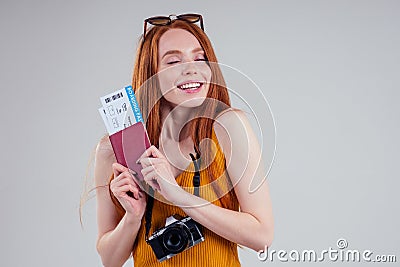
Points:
(129, 144)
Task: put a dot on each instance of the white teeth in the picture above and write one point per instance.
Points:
(190, 85)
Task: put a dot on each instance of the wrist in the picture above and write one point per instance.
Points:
(132, 220)
(182, 198)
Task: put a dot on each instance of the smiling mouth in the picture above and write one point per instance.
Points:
(190, 86)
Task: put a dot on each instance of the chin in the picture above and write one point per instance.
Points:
(177, 99)
(192, 103)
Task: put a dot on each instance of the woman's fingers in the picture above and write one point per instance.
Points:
(119, 168)
(120, 191)
(123, 186)
(157, 172)
(124, 178)
(127, 189)
(147, 170)
(121, 172)
(124, 183)
(151, 161)
(152, 151)
(151, 179)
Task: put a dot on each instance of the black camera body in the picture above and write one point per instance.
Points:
(178, 235)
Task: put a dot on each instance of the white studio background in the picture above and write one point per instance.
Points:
(329, 70)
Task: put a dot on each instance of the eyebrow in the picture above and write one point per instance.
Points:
(169, 52)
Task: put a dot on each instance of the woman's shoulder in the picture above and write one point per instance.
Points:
(104, 158)
(229, 127)
(104, 150)
(231, 115)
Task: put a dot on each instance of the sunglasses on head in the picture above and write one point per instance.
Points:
(163, 20)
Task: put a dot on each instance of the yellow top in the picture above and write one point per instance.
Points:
(214, 250)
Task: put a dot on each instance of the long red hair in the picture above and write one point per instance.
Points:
(150, 99)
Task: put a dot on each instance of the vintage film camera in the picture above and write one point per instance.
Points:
(178, 235)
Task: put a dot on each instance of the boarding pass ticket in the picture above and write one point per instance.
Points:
(120, 110)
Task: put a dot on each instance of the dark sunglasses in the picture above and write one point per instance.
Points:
(163, 20)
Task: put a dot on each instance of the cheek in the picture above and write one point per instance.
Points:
(207, 73)
(165, 82)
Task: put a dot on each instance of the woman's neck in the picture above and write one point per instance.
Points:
(176, 121)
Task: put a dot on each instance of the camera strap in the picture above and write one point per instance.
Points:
(196, 184)
(149, 211)
(196, 177)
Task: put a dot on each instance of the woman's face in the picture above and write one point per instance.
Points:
(183, 74)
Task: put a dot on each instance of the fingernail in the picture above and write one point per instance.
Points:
(132, 172)
(138, 161)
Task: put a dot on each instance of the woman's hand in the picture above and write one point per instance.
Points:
(158, 174)
(128, 193)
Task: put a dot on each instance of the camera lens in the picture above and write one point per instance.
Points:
(175, 239)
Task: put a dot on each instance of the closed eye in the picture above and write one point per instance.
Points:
(173, 62)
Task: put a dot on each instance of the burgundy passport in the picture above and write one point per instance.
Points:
(129, 144)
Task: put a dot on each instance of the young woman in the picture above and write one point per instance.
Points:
(185, 105)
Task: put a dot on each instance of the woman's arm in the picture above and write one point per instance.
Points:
(116, 235)
(253, 225)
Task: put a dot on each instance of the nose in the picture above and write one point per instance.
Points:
(189, 68)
